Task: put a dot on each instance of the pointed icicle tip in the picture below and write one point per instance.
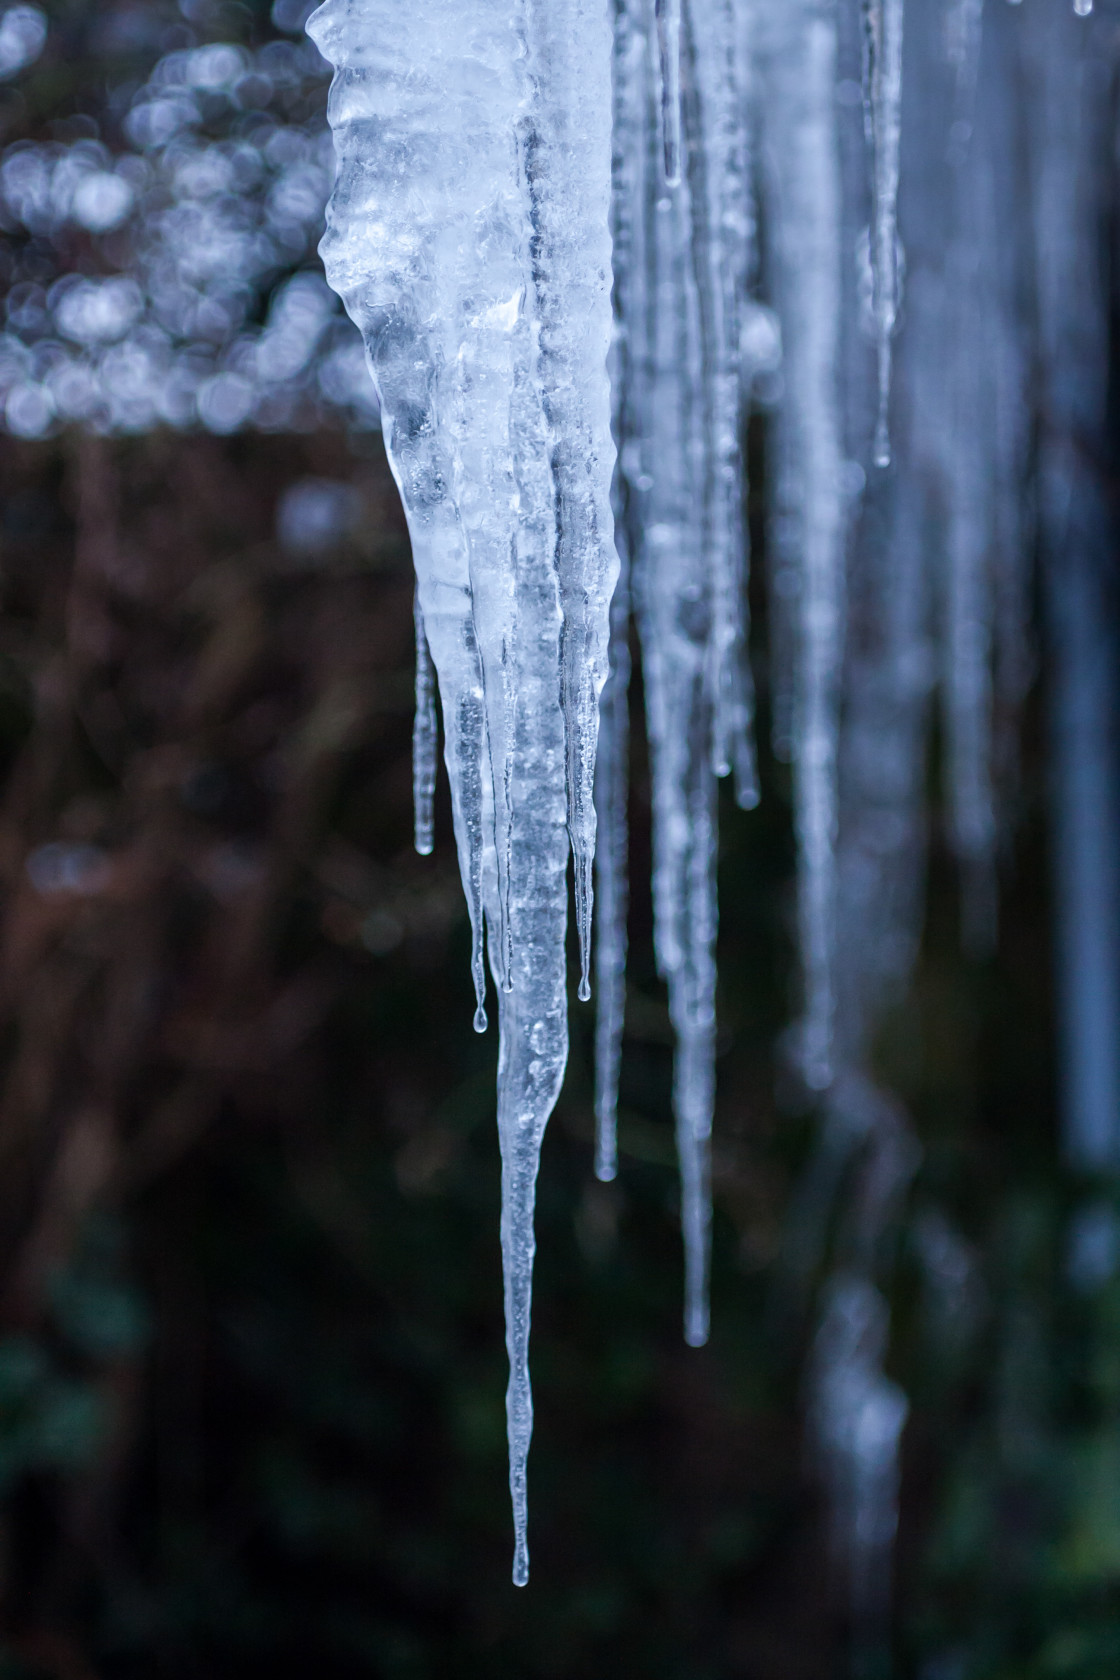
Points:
(696, 1326)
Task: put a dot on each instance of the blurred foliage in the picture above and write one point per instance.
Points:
(251, 1357)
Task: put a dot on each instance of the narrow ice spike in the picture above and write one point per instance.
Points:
(612, 883)
(882, 21)
(1069, 143)
(798, 48)
(569, 206)
(969, 473)
(668, 13)
(857, 1416)
(425, 740)
(468, 235)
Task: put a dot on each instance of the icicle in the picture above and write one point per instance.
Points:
(425, 739)
(612, 882)
(723, 251)
(883, 98)
(968, 430)
(682, 275)
(612, 769)
(962, 48)
(469, 237)
(1070, 138)
(674, 601)
(798, 72)
(568, 157)
(669, 64)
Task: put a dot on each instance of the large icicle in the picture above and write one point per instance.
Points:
(469, 237)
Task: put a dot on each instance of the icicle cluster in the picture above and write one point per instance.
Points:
(770, 163)
(684, 255)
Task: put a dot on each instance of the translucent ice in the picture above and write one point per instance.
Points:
(684, 251)
(468, 236)
(797, 51)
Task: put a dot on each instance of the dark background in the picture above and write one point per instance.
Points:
(251, 1357)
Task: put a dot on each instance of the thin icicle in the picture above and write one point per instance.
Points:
(679, 298)
(425, 740)
(612, 883)
(798, 95)
(567, 146)
(882, 21)
(723, 248)
(669, 64)
(612, 766)
(968, 431)
(1069, 77)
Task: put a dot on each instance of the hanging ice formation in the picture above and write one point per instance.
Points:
(882, 74)
(683, 247)
(469, 236)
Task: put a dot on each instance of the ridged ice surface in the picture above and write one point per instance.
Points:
(468, 236)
